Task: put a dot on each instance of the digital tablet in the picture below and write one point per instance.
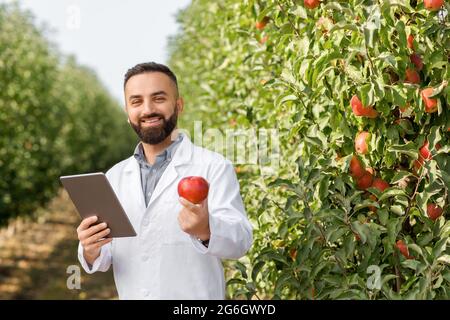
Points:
(92, 195)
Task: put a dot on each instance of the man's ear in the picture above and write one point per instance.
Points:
(180, 104)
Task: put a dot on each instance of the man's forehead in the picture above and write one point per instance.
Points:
(150, 81)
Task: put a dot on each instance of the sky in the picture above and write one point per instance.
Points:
(109, 36)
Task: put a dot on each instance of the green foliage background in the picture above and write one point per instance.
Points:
(56, 118)
(300, 81)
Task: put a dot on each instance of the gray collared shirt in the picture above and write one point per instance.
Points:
(150, 174)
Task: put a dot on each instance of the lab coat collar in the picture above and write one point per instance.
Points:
(182, 156)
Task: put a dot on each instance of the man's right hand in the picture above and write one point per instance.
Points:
(90, 236)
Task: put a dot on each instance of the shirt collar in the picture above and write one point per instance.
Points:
(167, 154)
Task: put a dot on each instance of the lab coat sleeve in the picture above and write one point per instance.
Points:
(104, 260)
(231, 231)
(102, 263)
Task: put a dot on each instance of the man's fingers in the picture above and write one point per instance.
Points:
(98, 236)
(86, 223)
(101, 243)
(190, 206)
(98, 244)
(93, 230)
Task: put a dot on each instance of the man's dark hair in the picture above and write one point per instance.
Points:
(150, 67)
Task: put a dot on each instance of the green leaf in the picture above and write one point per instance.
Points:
(444, 259)
(343, 25)
(235, 281)
(285, 98)
(392, 192)
(256, 269)
(367, 95)
(283, 280)
(440, 247)
(370, 32)
(438, 90)
(365, 204)
(400, 27)
(362, 230)
(400, 175)
(388, 59)
(383, 216)
(409, 148)
(411, 264)
(242, 268)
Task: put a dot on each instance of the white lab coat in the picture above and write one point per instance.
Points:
(162, 261)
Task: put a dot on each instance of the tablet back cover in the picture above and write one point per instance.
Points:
(93, 195)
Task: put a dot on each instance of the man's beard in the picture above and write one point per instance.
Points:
(157, 134)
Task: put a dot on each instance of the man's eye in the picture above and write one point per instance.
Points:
(160, 99)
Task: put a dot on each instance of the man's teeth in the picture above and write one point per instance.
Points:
(151, 120)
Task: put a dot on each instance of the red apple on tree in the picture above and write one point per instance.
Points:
(417, 61)
(425, 151)
(430, 103)
(356, 168)
(194, 189)
(418, 164)
(264, 39)
(411, 41)
(403, 248)
(293, 253)
(412, 76)
(433, 5)
(361, 145)
(311, 4)
(262, 24)
(361, 111)
(380, 184)
(434, 211)
(365, 181)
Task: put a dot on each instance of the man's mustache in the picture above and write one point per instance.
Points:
(153, 115)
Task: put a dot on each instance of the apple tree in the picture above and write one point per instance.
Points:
(358, 92)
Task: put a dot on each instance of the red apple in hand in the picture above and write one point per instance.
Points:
(193, 189)
(433, 5)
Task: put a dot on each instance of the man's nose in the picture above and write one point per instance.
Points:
(148, 106)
